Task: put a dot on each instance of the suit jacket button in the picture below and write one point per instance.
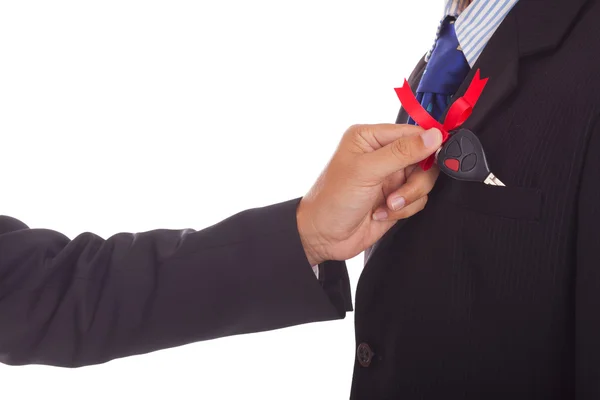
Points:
(364, 355)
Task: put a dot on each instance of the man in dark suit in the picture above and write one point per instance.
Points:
(494, 292)
(89, 300)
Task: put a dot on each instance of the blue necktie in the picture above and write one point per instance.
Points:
(446, 70)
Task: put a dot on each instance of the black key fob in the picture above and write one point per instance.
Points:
(462, 157)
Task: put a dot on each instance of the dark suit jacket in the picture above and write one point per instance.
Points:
(88, 300)
(494, 292)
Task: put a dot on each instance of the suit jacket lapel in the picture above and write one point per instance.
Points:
(542, 24)
(532, 26)
(500, 63)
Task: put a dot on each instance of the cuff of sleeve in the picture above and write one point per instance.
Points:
(333, 276)
(328, 296)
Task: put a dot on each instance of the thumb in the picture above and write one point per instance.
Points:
(403, 152)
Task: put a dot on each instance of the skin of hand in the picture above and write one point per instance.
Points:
(370, 183)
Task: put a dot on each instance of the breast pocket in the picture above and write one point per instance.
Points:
(512, 202)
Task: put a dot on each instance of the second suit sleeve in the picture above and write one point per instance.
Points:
(89, 300)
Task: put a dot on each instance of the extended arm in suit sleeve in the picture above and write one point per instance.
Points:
(587, 295)
(89, 300)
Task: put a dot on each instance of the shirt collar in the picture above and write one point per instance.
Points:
(476, 22)
(455, 7)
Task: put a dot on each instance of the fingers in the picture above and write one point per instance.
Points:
(410, 198)
(418, 184)
(401, 153)
(384, 214)
(376, 136)
(393, 182)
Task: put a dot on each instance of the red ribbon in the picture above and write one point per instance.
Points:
(458, 113)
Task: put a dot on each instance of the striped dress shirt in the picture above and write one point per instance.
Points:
(476, 22)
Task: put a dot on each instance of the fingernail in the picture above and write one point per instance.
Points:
(397, 203)
(380, 215)
(431, 138)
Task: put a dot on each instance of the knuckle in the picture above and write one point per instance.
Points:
(350, 133)
(423, 188)
(422, 184)
(414, 191)
(356, 129)
(357, 137)
(414, 208)
(402, 149)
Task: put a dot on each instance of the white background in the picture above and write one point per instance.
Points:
(135, 115)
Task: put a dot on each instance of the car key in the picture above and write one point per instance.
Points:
(462, 158)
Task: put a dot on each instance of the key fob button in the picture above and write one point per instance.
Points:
(466, 145)
(452, 164)
(469, 162)
(453, 149)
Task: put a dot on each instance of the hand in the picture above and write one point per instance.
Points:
(371, 182)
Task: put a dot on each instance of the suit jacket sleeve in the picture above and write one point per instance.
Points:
(587, 274)
(89, 300)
